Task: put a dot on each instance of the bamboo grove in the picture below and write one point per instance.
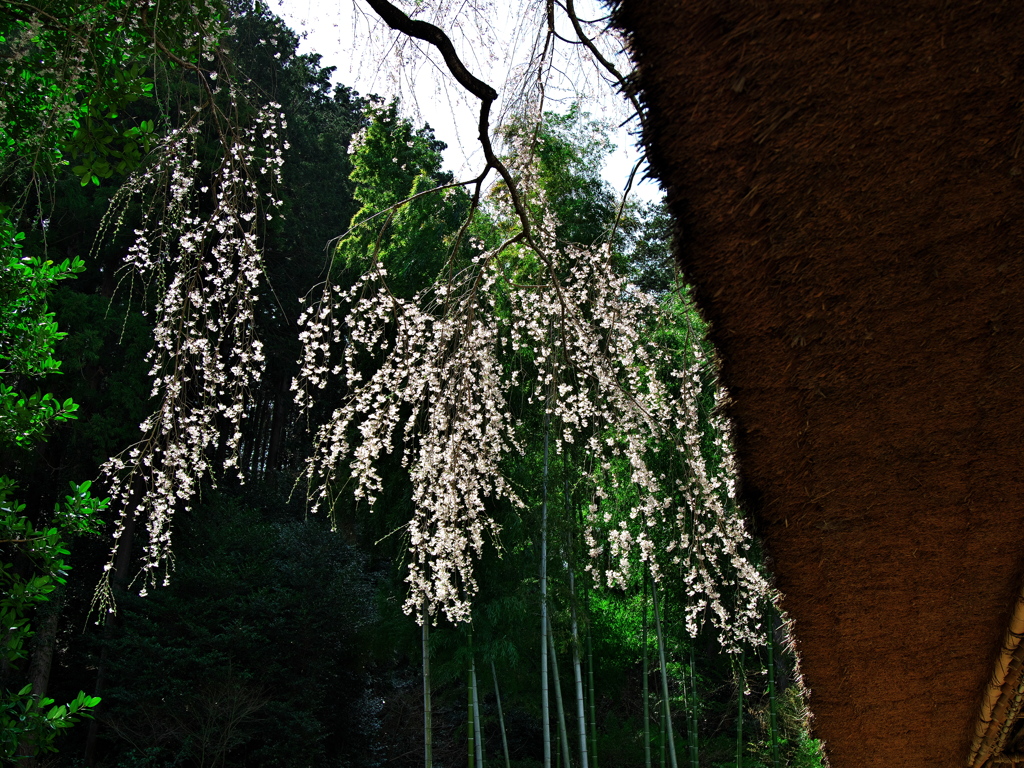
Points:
(444, 463)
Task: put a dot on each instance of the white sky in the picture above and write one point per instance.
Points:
(493, 48)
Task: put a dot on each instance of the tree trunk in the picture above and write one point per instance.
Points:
(247, 457)
(261, 441)
(45, 623)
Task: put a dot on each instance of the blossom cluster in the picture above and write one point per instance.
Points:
(197, 249)
(431, 378)
(603, 374)
(438, 395)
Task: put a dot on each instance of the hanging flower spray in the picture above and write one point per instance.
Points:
(439, 394)
(197, 247)
(428, 377)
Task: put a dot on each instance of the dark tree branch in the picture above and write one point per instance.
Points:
(570, 11)
(622, 204)
(601, 20)
(567, 40)
(421, 30)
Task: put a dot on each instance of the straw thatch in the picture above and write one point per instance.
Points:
(847, 179)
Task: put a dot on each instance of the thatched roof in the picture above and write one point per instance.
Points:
(849, 184)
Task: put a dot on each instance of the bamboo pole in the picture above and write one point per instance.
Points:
(428, 731)
(591, 691)
(741, 684)
(693, 745)
(581, 716)
(666, 708)
(545, 707)
(647, 674)
(593, 708)
(578, 673)
(563, 737)
(470, 726)
(501, 716)
(477, 739)
(663, 741)
(773, 705)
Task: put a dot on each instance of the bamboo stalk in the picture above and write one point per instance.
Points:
(772, 699)
(470, 726)
(563, 737)
(647, 674)
(593, 708)
(545, 707)
(501, 716)
(693, 745)
(477, 739)
(666, 708)
(663, 741)
(591, 690)
(428, 731)
(580, 712)
(741, 684)
(581, 717)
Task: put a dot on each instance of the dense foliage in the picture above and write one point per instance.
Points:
(33, 566)
(252, 672)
